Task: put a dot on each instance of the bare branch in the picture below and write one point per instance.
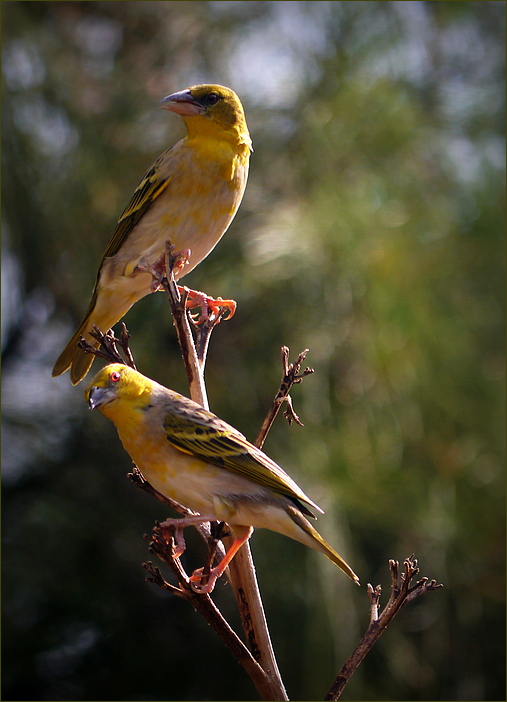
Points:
(124, 344)
(203, 603)
(193, 353)
(401, 593)
(184, 334)
(259, 662)
(291, 376)
(374, 597)
(289, 414)
(108, 349)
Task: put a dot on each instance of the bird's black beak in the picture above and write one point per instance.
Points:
(99, 396)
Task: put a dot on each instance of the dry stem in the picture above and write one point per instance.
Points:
(401, 594)
(109, 343)
(290, 377)
(241, 570)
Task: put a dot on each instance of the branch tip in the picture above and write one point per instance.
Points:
(107, 348)
(400, 595)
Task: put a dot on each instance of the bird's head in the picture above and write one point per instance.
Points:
(115, 382)
(215, 104)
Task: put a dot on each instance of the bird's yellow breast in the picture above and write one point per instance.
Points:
(175, 474)
(195, 209)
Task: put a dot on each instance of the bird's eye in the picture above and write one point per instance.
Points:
(212, 99)
(115, 376)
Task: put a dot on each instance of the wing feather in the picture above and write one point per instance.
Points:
(218, 443)
(145, 194)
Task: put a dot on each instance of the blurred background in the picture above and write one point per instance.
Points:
(371, 232)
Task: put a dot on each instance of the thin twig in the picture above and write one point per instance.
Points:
(242, 568)
(291, 376)
(163, 547)
(401, 594)
(124, 343)
(193, 352)
(374, 597)
(182, 324)
(108, 349)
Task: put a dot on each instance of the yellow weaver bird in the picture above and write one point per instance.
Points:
(190, 455)
(189, 196)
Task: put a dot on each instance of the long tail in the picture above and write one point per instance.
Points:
(72, 356)
(318, 543)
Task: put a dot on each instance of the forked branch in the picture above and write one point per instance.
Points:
(109, 346)
(401, 594)
(291, 376)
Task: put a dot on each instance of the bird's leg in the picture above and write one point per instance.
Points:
(144, 266)
(210, 307)
(214, 574)
(177, 526)
(158, 268)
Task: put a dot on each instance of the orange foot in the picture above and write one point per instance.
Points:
(198, 575)
(210, 307)
(174, 527)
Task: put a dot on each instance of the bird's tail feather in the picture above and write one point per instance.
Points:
(320, 545)
(75, 358)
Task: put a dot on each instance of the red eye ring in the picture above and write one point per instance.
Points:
(115, 376)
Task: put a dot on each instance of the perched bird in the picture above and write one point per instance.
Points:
(190, 455)
(189, 196)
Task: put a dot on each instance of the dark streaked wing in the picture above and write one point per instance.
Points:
(214, 441)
